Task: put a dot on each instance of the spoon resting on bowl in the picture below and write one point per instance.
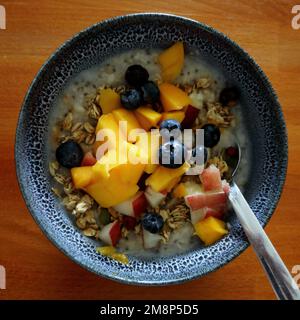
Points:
(282, 282)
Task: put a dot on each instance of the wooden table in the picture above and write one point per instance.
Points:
(35, 268)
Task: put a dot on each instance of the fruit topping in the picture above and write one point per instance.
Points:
(88, 160)
(136, 75)
(171, 61)
(133, 206)
(162, 177)
(191, 114)
(111, 233)
(152, 222)
(169, 128)
(131, 99)
(129, 222)
(150, 92)
(211, 135)
(173, 98)
(172, 154)
(109, 100)
(69, 154)
(147, 117)
(210, 230)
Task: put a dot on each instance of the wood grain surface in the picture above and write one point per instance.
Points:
(35, 268)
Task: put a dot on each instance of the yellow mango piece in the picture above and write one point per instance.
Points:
(128, 171)
(109, 192)
(186, 188)
(147, 117)
(210, 230)
(172, 184)
(173, 98)
(174, 115)
(82, 176)
(109, 126)
(111, 252)
(148, 142)
(150, 168)
(162, 177)
(108, 100)
(179, 191)
(128, 116)
(171, 61)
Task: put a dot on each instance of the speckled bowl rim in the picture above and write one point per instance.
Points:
(245, 56)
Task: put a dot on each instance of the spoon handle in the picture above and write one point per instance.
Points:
(279, 276)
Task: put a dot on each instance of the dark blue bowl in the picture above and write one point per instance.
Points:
(261, 110)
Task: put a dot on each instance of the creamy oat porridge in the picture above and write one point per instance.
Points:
(147, 208)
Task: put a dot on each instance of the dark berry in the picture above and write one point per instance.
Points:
(131, 99)
(129, 222)
(152, 222)
(200, 151)
(169, 128)
(211, 135)
(69, 154)
(172, 154)
(232, 152)
(136, 75)
(229, 96)
(150, 92)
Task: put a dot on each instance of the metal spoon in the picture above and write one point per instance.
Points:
(282, 282)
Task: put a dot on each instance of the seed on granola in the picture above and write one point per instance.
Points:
(60, 178)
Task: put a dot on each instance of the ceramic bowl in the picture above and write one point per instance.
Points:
(264, 122)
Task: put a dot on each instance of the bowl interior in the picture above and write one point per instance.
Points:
(261, 111)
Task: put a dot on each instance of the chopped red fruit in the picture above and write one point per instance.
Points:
(88, 160)
(211, 179)
(129, 222)
(111, 233)
(209, 199)
(232, 152)
(134, 206)
(191, 114)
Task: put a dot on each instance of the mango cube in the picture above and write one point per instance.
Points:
(210, 230)
(173, 98)
(122, 114)
(108, 100)
(162, 177)
(147, 117)
(109, 192)
(82, 176)
(110, 131)
(171, 61)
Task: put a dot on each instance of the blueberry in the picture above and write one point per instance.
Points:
(229, 96)
(172, 154)
(168, 127)
(136, 75)
(197, 152)
(131, 99)
(211, 135)
(152, 222)
(69, 154)
(150, 92)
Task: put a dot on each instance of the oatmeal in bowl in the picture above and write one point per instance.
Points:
(166, 99)
(126, 141)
